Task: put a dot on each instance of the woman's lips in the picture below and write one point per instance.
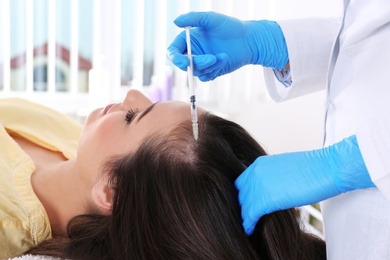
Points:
(107, 108)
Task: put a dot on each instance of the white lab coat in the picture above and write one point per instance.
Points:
(351, 58)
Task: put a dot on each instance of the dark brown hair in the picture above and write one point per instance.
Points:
(175, 199)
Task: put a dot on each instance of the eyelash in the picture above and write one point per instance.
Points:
(130, 114)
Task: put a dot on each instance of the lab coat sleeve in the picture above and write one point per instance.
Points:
(309, 44)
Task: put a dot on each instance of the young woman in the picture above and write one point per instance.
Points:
(140, 187)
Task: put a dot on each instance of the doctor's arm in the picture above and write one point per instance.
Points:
(310, 43)
(277, 182)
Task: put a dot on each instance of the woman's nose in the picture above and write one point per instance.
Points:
(135, 99)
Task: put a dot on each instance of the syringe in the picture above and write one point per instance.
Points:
(191, 84)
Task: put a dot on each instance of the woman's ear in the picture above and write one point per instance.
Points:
(102, 196)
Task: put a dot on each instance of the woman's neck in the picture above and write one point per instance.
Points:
(56, 184)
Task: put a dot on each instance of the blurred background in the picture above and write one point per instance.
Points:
(78, 55)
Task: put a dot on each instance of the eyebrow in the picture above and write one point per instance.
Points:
(145, 112)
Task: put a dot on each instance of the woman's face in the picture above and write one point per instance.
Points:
(120, 128)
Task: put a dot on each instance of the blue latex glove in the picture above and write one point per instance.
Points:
(221, 44)
(283, 181)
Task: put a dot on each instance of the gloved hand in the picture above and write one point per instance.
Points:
(221, 44)
(283, 181)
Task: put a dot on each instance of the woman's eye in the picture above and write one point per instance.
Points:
(130, 114)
